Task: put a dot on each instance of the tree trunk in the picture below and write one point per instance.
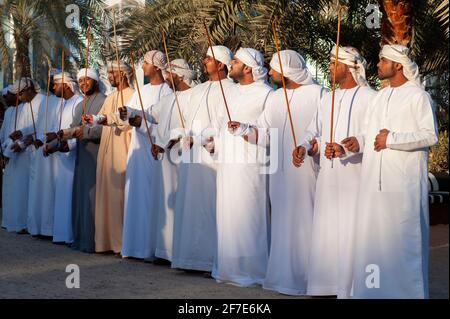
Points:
(397, 22)
(22, 59)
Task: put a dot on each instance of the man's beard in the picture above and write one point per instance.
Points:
(91, 91)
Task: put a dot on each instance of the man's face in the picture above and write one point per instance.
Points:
(150, 70)
(27, 95)
(113, 78)
(176, 80)
(386, 68)
(86, 84)
(237, 69)
(276, 77)
(341, 70)
(209, 66)
(58, 88)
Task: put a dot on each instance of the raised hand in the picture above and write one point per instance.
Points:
(314, 147)
(380, 140)
(298, 156)
(351, 144)
(135, 121)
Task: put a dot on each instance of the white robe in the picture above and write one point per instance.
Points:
(392, 225)
(8, 200)
(65, 169)
(141, 197)
(291, 189)
(331, 258)
(17, 171)
(168, 118)
(42, 183)
(195, 238)
(242, 201)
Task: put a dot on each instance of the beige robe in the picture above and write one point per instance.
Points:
(111, 166)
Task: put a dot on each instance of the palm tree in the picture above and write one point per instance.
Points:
(307, 26)
(42, 25)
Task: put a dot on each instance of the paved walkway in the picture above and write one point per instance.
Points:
(35, 268)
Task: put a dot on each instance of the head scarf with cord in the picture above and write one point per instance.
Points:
(181, 68)
(401, 54)
(124, 68)
(356, 62)
(255, 60)
(294, 67)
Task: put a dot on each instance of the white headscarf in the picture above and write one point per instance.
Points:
(24, 83)
(294, 67)
(6, 90)
(124, 67)
(156, 58)
(91, 73)
(181, 68)
(356, 62)
(222, 54)
(54, 72)
(255, 60)
(67, 80)
(400, 54)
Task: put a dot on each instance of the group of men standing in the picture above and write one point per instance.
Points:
(207, 176)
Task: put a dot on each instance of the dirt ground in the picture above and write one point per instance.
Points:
(35, 268)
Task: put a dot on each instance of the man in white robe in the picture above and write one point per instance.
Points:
(194, 241)
(167, 115)
(18, 166)
(65, 155)
(242, 201)
(291, 190)
(392, 226)
(41, 200)
(143, 172)
(332, 246)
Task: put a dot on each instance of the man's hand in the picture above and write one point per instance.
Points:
(232, 126)
(28, 140)
(16, 148)
(135, 121)
(298, 156)
(37, 143)
(87, 119)
(334, 150)
(79, 132)
(60, 134)
(172, 143)
(123, 113)
(237, 128)
(156, 150)
(51, 136)
(64, 147)
(48, 149)
(351, 144)
(16, 135)
(314, 148)
(380, 140)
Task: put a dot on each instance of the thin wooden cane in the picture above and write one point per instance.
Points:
(144, 117)
(86, 67)
(274, 29)
(333, 87)
(173, 84)
(117, 58)
(46, 106)
(217, 69)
